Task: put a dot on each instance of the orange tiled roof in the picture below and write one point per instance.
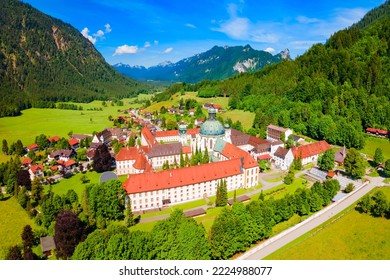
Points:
(231, 152)
(69, 163)
(148, 136)
(167, 133)
(128, 153)
(36, 167)
(73, 141)
(311, 149)
(32, 146)
(27, 161)
(166, 179)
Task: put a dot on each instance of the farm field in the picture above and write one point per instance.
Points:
(349, 236)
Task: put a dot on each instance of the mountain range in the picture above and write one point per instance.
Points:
(44, 60)
(215, 64)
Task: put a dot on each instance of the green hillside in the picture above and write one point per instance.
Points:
(334, 91)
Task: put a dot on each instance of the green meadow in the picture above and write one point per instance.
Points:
(348, 236)
(375, 142)
(52, 122)
(13, 218)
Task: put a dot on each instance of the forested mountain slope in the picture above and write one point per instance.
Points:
(43, 60)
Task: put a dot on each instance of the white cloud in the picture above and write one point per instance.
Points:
(147, 44)
(190, 25)
(270, 50)
(241, 28)
(168, 50)
(107, 28)
(99, 33)
(85, 33)
(304, 19)
(155, 42)
(125, 49)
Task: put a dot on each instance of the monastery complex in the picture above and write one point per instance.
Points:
(233, 157)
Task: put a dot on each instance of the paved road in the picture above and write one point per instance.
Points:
(271, 245)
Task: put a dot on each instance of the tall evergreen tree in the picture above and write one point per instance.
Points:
(378, 156)
(129, 217)
(5, 148)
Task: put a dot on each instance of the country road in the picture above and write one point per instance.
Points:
(274, 243)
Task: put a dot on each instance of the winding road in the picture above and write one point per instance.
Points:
(274, 243)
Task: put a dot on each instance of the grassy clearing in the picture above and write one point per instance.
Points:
(375, 142)
(349, 236)
(13, 218)
(74, 183)
(246, 118)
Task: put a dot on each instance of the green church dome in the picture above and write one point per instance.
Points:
(212, 127)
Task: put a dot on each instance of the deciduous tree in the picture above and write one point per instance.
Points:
(69, 232)
(326, 160)
(354, 164)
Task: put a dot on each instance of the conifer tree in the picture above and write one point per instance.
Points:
(129, 217)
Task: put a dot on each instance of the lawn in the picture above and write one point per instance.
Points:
(348, 236)
(375, 142)
(74, 183)
(13, 218)
(281, 190)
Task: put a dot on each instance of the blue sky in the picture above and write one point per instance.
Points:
(148, 32)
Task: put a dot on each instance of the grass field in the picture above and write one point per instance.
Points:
(13, 218)
(74, 183)
(375, 142)
(53, 122)
(349, 236)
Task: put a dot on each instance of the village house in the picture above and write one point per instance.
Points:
(36, 171)
(63, 154)
(33, 147)
(27, 162)
(283, 158)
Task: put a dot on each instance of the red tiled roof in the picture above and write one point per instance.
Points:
(377, 130)
(166, 179)
(216, 106)
(186, 149)
(311, 149)
(73, 141)
(36, 167)
(55, 139)
(230, 151)
(69, 163)
(32, 146)
(61, 162)
(148, 136)
(192, 131)
(54, 167)
(140, 162)
(264, 157)
(27, 161)
(331, 174)
(128, 153)
(167, 133)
